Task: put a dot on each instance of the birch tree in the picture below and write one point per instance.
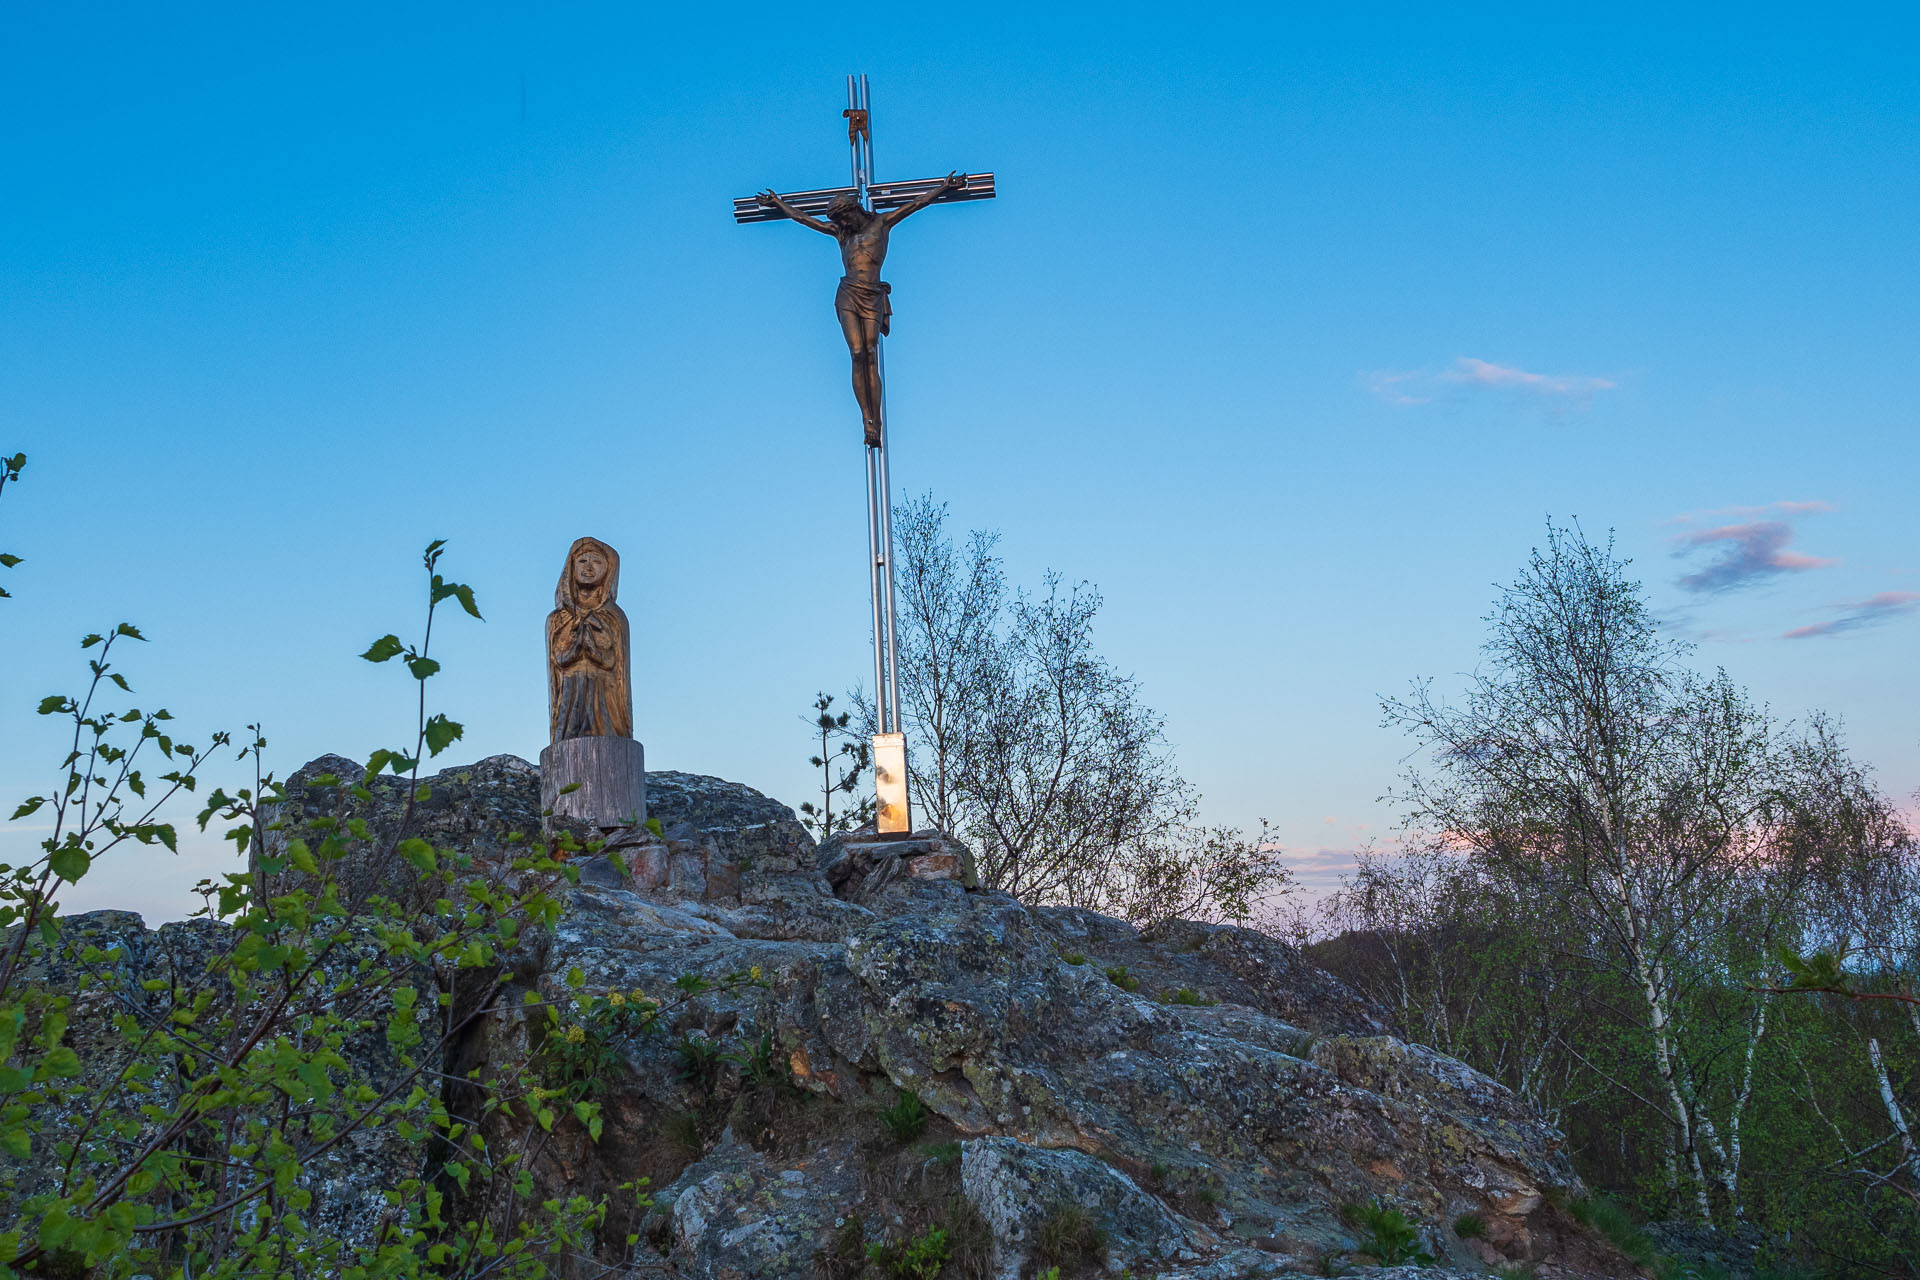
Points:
(1673, 819)
(1028, 743)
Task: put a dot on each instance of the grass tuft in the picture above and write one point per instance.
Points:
(907, 1118)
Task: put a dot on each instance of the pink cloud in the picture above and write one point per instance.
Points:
(1418, 386)
(1861, 613)
(1487, 374)
(1748, 552)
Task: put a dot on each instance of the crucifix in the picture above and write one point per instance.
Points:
(861, 218)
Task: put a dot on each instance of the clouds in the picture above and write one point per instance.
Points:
(1884, 607)
(1739, 547)
(1750, 550)
(1744, 554)
(1421, 386)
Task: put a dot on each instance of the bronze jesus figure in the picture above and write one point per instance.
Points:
(861, 301)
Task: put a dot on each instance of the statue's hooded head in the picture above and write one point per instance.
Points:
(845, 210)
(591, 577)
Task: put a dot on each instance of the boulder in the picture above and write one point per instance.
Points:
(1064, 1090)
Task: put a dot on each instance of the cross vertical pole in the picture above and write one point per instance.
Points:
(889, 743)
(859, 144)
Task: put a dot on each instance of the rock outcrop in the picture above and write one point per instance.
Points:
(1202, 1102)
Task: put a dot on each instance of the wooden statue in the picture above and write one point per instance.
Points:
(589, 657)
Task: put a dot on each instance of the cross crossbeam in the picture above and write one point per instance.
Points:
(885, 196)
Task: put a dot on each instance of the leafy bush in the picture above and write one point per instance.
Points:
(761, 1067)
(580, 1050)
(1470, 1226)
(919, 1259)
(906, 1118)
(208, 1107)
(1069, 1237)
(1613, 1222)
(1391, 1240)
(1187, 996)
(1117, 974)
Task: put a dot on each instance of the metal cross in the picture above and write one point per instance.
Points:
(889, 743)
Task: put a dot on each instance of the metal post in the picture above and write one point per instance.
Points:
(886, 544)
(877, 590)
(889, 743)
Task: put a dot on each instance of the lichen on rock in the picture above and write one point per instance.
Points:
(1218, 1139)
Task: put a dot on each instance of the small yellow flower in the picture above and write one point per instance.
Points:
(616, 999)
(754, 973)
(576, 1034)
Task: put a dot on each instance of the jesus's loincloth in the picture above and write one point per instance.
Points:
(868, 301)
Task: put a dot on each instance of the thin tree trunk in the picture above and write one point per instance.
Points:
(1894, 1113)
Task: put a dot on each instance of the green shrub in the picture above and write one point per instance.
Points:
(907, 1118)
(1187, 996)
(919, 1259)
(310, 958)
(1391, 1239)
(1073, 957)
(943, 1152)
(759, 1065)
(1619, 1228)
(700, 1060)
(580, 1049)
(1470, 1226)
(1069, 1237)
(1117, 974)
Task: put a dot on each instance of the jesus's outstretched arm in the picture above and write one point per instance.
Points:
(954, 182)
(771, 199)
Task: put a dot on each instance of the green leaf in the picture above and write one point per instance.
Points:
(383, 648)
(69, 863)
(8, 559)
(422, 667)
(418, 853)
(28, 805)
(128, 630)
(441, 733)
(459, 591)
(575, 978)
(54, 705)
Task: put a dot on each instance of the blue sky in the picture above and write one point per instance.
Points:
(1290, 329)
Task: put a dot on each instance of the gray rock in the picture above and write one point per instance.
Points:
(1018, 1188)
(739, 1213)
(1210, 1142)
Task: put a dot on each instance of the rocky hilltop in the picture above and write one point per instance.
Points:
(1201, 1102)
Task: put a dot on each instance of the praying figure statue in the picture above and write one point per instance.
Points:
(589, 672)
(862, 301)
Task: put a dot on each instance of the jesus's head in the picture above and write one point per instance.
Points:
(846, 211)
